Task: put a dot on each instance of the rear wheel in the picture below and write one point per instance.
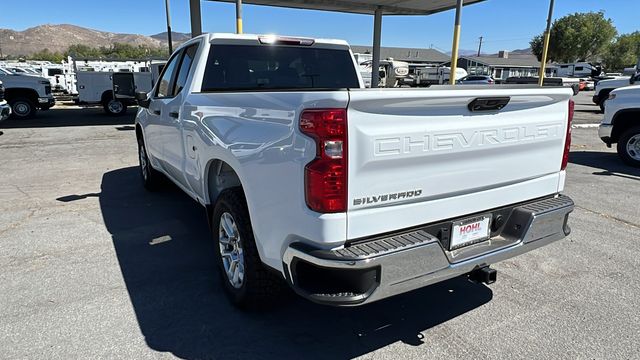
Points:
(22, 108)
(114, 107)
(246, 280)
(629, 146)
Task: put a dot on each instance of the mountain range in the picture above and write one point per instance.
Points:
(57, 38)
(60, 37)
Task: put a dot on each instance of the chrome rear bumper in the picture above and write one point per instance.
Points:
(392, 264)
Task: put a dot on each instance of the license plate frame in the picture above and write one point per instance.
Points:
(472, 233)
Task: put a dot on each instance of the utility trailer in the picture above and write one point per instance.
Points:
(115, 90)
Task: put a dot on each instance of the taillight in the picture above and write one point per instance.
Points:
(325, 178)
(567, 141)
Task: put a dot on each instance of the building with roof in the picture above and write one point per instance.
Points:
(502, 66)
(410, 55)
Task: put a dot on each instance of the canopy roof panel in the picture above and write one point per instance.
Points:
(389, 7)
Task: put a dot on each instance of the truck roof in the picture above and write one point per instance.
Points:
(265, 39)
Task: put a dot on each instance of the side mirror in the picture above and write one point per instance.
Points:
(143, 99)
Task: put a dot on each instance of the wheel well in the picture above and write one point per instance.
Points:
(220, 177)
(13, 93)
(623, 120)
(604, 94)
(106, 96)
(139, 135)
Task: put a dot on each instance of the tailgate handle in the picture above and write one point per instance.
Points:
(488, 103)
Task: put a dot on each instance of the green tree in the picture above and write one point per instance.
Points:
(625, 51)
(579, 36)
(47, 55)
(80, 51)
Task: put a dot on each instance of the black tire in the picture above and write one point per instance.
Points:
(151, 178)
(260, 286)
(22, 108)
(114, 107)
(630, 135)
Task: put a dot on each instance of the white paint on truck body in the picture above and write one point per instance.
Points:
(455, 161)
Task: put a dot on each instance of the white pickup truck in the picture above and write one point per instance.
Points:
(621, 123)
(351, 195)
(26, 93)
(604, 87)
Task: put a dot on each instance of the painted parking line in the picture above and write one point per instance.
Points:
(584, 126)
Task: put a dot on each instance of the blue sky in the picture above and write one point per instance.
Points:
(504, 24)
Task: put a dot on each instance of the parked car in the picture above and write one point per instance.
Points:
(348, 194)
(476, 79)
(5, 109)
(604, 87)
(589, 85)
(621, 123)
(26, 93)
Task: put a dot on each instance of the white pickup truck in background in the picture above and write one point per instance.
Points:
(621, 123)
(351, 195)
(26, 93)
(604, 87)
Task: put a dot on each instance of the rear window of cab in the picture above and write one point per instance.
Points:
(256, 67)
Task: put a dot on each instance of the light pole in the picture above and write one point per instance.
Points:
(545, 45)
(456, 43)
(238, 16)
(166, 5)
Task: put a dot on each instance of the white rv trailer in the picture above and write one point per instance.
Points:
(437, 75)
(391, 71)
(578, 69)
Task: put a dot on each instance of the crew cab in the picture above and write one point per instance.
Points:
(351, 195)
(604, 87)
(621, 123)
(26, 93)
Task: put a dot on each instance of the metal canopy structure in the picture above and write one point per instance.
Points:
(388, 7)
(377, 8)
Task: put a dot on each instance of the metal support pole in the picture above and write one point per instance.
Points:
(196, 18)
(238, 16)
(545, 45)
(480, 46)
(456, 43)
(169, 41)
(375, 63)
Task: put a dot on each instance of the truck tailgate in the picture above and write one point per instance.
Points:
(420, 156)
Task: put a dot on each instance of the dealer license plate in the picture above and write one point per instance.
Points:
(470, 231)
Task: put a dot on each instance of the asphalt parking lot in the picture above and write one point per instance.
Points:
(92, 266)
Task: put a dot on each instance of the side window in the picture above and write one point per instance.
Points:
(164, 87)
(185, 66)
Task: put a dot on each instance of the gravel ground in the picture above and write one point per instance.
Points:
(92, 266)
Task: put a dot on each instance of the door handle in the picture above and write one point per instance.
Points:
(174, 114)
(489, 103)
(156, 112)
